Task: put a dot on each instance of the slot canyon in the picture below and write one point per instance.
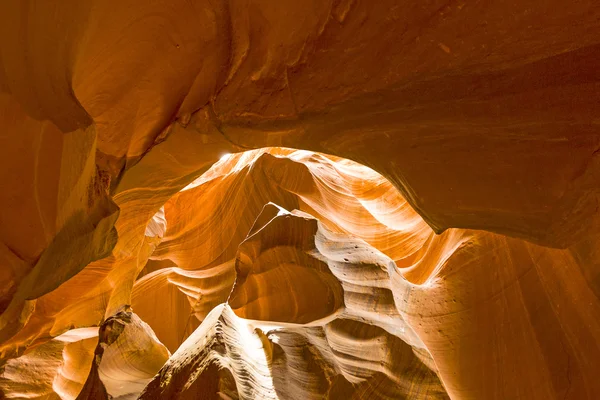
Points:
(290, 200)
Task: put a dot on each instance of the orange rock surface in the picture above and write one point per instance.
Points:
(343, 199)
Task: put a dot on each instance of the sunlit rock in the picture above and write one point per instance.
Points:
(299, 199)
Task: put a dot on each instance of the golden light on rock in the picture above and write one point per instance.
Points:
(344, 199)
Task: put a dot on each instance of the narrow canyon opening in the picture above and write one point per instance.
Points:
(283, 200)
(303, 249)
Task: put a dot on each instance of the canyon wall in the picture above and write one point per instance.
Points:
(284, 200)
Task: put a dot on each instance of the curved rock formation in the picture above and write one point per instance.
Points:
(55, 369)
(299, 199)
(505, 88)
(303, 304)
(127, 356)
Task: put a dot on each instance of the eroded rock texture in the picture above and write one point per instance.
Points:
(341, 199)
(304, 295)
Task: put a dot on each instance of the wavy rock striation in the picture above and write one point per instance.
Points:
(299, 199)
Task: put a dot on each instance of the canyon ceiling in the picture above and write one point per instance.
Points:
(336, 199)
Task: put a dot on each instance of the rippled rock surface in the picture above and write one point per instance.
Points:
(299, 200)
